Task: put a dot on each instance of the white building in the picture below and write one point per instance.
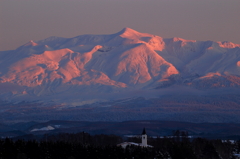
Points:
(143, 144)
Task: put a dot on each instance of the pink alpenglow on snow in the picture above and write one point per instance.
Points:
(122, 62)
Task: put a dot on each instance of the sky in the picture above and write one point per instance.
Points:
(25, 20)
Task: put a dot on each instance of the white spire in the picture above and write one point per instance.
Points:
(144, 138)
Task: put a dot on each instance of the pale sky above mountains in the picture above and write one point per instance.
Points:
(25, 20)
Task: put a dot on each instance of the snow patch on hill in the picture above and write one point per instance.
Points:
(48, 128)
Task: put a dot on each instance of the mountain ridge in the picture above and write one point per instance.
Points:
(120, 62)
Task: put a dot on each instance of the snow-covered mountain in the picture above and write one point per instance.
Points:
(89, 68)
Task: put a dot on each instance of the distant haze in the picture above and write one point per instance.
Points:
(25, 20)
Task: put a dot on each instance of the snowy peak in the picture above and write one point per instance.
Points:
(30, 43)
(131, 36)
(227, 44)
(129, 33)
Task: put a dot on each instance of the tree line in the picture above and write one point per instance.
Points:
(85, 146)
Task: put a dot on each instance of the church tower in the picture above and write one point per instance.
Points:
(144, 138)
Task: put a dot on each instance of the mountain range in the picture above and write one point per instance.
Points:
(128, 64)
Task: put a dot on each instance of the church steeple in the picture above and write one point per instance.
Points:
(144, 138)
(144, 131)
